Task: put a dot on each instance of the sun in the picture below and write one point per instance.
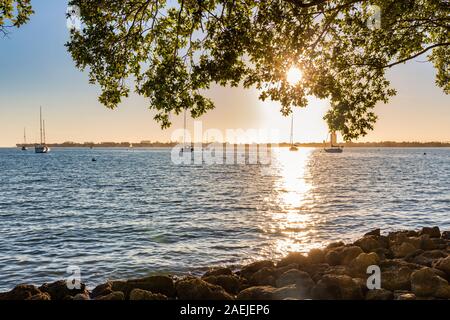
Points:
(294, 76)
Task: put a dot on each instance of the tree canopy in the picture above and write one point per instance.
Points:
(172, 51)
(13, 14)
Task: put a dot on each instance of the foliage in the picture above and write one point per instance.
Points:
(172, 51)
(13, 14)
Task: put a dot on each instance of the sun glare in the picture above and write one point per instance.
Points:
(294, 75)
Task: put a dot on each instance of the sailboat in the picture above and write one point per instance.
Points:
(42, 147)
(186, 148)
(293, 147)
(24, 146)
(334, 148)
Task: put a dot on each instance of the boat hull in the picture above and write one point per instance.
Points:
(334, 150)
(41, 149)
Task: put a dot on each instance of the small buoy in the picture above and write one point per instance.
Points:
(93, 159)
(424, 153)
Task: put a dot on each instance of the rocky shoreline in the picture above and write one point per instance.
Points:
(414, 265)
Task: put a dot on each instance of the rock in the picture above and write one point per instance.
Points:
(139, 294)
(432, 232)
(397, 278)
(81, 296)
(218, 272)
(43, 296)
(342, 255)
(263, 277)
(300, 279)
(334, 245)
(290, 292)
(426, 258)
(371, 243)
(406, 296)
(197, 289)
(118, 285)
(360, 264)
(230, 283)
(425, 282)
(402, 250)
(443, 264)
(337, 287)
(58, 290)
(154, 284)
(316, 256)
(103, 290)
(280, 271)
(293, 258)
(379, 294)
(248, 270)
(116, 295)
(375, 232)
(445, 235)
(20, 292)
(257, 293)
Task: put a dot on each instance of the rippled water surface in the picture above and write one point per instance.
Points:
(134, 213)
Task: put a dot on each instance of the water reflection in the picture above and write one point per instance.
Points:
(290, 197)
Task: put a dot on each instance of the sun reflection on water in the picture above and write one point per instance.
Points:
(291, 198)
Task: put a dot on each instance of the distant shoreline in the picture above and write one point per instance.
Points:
(383, 144)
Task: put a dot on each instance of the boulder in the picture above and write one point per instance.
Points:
(43, 296)
(119, 285)
(20, 292)
(426, 258)
(405, 296)
(116, 295)
(81, 296)
(379, 294)
(290, 292)
(257, 293)
(337, 287)
(433, 232)
(300, 279)
(397, 278)
(425, 283)
(371, 243)
(248, 270)
(360, 264)
(218, 272)
(59, 291)
(263, 277)
(342, 255)
(316, 256)
(102, 290)
(197, 289)
(154, 284)
(281, 270)
(293, 258)
(139, 294)
(445, 235)
(375, 232)
(402, 250)
(230, 283)
(443, 264)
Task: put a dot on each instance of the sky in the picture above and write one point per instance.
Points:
(36, 70)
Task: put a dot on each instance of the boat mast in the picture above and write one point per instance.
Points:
(184, 132)
(43, 128)
(292, 130)
(40, 122)
(24, 136)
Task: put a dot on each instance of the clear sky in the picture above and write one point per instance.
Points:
(35, 69)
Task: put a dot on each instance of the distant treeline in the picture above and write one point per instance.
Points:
(149, 144)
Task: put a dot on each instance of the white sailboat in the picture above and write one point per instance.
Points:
(42, 147)
(334, 148)
(186, 148)
(293, 147)
(24, 146)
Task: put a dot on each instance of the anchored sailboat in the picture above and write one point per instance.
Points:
(334, 148)
(186, 148)
(42, 147)
(24, 146)
(293, 147)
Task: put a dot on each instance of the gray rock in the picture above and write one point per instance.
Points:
(197, 289)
